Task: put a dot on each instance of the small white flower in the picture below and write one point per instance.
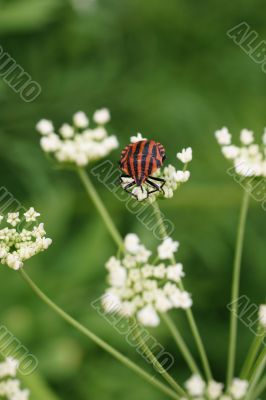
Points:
(143, 254)
(138, 138)
(223, 136)
(13, 218)
(262, 315)
(111, 302)
(159, 271)
(67, 131)
(148, 316)
(182, 176)
(127, 309)
(214, 389)
(180, 299)
(147, 271)
(80, 119)
(175, 272)
(8, 368)
(10, 386)
(45, 127)
(117, 277)
(134, 274)
(129, 261)
(167, 249)
(50, 143)
(230, 152)
(31, 215)
(195, 385)
(264, 137)
(246, 136)
(141, 193)
(98, 133)
(113, 263)
(3, 251)
(13, 261)
(132, 243)
(185, 156)
(162, 304)
(38, 231)
(111, 143)
(102, 116)
(81, 159)
(238, 388)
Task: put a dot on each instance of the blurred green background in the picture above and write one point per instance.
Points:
(168, 70)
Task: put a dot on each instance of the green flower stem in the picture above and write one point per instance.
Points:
(235, 287)
(189, 314)
(105, 346)
(181, 344)
(102, 210)
(256, 374)
(91, 191)
(260, 388)
(38, 387)
(151, 357)
(252, 354)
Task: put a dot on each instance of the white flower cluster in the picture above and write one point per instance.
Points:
(10, 387)
(173, 177)
(142, 289)
(198, 389)
(249, 158)
(77, 143)
(262, 315)
(17, 246)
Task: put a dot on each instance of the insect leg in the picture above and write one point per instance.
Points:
(159, 180)
(127, 187)
(156, 187)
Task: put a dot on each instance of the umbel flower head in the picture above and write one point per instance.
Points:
(198, 388)
(76, 143)
(249, 158)
(16, 245)
(173, 177)
(9, 386)
(141, 288)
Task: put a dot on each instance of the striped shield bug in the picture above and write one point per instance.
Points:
(139, 161)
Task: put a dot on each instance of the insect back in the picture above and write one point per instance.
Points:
(139, 161)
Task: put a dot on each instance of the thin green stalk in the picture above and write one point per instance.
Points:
(260, 388)
(38, 387)
(181, 344)
(256, 374)
(189, 314)
(151, 357)
(109, 223)
(252, 354)
(91, 191)
(116, 354)
(235, 287)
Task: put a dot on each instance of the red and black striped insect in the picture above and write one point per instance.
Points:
(139, 161)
